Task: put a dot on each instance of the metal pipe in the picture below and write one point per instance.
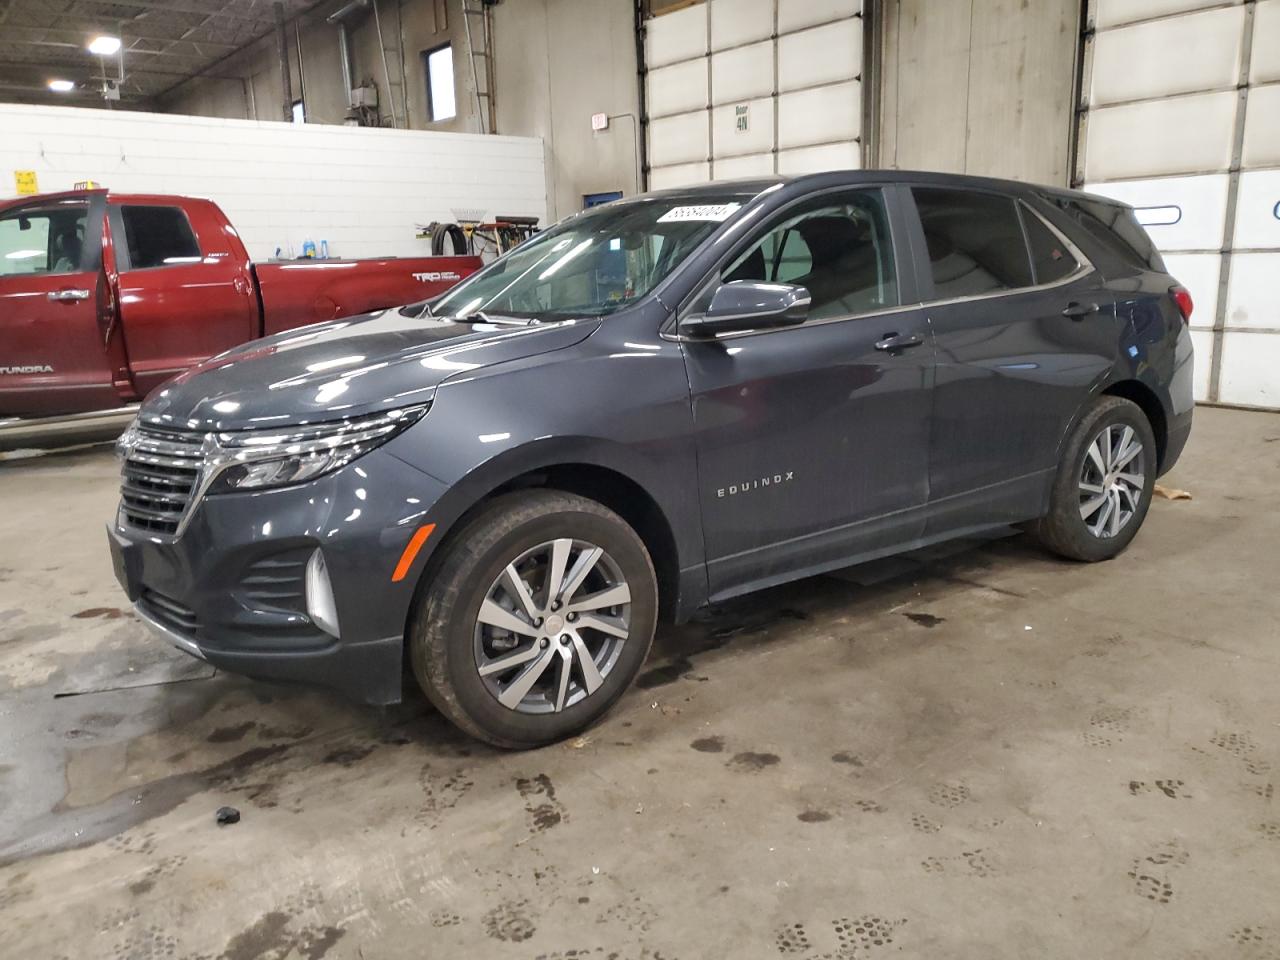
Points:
(344, 54)
(386, 71)
(642, 138)
(302, 70)
(282, 49)
(339, 17)
(346, 10)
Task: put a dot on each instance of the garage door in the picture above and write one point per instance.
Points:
(1181, 121)
(741, 88)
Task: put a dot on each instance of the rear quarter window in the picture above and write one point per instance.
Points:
(158, 236)
(1116, 229)
(1051, 260)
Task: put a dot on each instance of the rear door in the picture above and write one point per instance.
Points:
(813, 440)
(185, 288)
(53, 318)
(1023, 332)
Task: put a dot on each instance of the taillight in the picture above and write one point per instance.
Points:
(1182, 297)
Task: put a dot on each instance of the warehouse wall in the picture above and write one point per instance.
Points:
(363, 190)
(559, 62)
(247, 86)
(543, 50)
(979, 86)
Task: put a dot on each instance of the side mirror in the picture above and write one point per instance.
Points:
(748, 305)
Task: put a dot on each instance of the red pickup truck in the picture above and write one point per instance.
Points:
(104, 296)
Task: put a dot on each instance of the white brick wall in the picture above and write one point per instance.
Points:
(362, 189)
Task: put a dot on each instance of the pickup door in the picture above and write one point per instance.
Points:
(185, 288)
(299, 292)
(55, 309)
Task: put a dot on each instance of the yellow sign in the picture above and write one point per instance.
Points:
(26, 182)
(87, 185)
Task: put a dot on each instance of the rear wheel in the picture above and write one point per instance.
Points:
(1104, 483)
(536, 620)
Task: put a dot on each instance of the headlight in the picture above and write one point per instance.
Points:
(257, 459)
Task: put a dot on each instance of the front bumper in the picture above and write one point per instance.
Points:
(233, 588)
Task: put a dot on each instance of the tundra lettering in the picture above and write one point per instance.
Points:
(27, 368)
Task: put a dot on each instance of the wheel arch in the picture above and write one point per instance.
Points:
(1138, 392)
(1148, 401)
(601, 472)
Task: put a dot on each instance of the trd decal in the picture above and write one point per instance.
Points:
(432, 276)
(756, 483)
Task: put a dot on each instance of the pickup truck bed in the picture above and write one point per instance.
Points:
(104, 296)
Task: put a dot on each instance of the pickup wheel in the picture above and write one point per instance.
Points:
(536, 620)
(1104, 483)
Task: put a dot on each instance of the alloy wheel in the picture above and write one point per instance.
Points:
(551, 626)
(1112, 480)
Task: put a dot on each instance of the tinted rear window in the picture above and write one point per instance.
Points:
(1051, 260)
(1116, 228)
(158, 237)
(975, 242)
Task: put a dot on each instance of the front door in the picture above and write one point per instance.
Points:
(813, 440)
(53, 352)
(184, 294)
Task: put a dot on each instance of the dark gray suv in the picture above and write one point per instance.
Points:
(657, 404)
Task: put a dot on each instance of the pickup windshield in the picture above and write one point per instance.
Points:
(593, 263)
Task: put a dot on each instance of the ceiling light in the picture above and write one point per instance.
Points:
(104, 46)
(61, 86)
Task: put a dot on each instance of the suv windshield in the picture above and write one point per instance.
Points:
(594, 263)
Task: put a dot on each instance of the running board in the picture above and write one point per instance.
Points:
(43, 432)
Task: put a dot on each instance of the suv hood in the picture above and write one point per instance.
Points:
(343, 368)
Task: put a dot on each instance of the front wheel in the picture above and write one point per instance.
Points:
(536, 620)
(1104, 483)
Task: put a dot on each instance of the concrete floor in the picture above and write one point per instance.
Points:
(986, 754)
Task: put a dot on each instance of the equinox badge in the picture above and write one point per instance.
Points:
(758, 483)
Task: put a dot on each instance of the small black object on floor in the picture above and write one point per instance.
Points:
(227, 815)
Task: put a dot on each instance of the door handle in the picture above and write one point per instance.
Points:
(1078, 311)
(899, 341)
(69, 295)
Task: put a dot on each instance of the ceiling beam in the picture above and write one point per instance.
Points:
(131, 53)
(77, 37)
(207, 70)
(72, 71)
(181, 6)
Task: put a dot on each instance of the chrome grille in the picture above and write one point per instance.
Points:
(159, 476)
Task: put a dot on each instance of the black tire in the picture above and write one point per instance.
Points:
(1063, 530)
(442, 635)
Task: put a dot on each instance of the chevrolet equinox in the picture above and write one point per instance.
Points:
(655, 405)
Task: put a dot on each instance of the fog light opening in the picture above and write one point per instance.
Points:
(320, 604)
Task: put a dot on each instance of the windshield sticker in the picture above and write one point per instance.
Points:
(715, 212)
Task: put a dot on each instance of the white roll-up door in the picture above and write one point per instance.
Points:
(1181, 119)
(743, 88)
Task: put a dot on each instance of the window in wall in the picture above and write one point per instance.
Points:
(440, 95)
(299, 112)
(975, 242)
(47, 239)
(836, 247)
(158, 237)
(1050, 258)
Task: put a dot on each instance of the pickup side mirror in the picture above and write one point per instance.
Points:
(748, 305)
